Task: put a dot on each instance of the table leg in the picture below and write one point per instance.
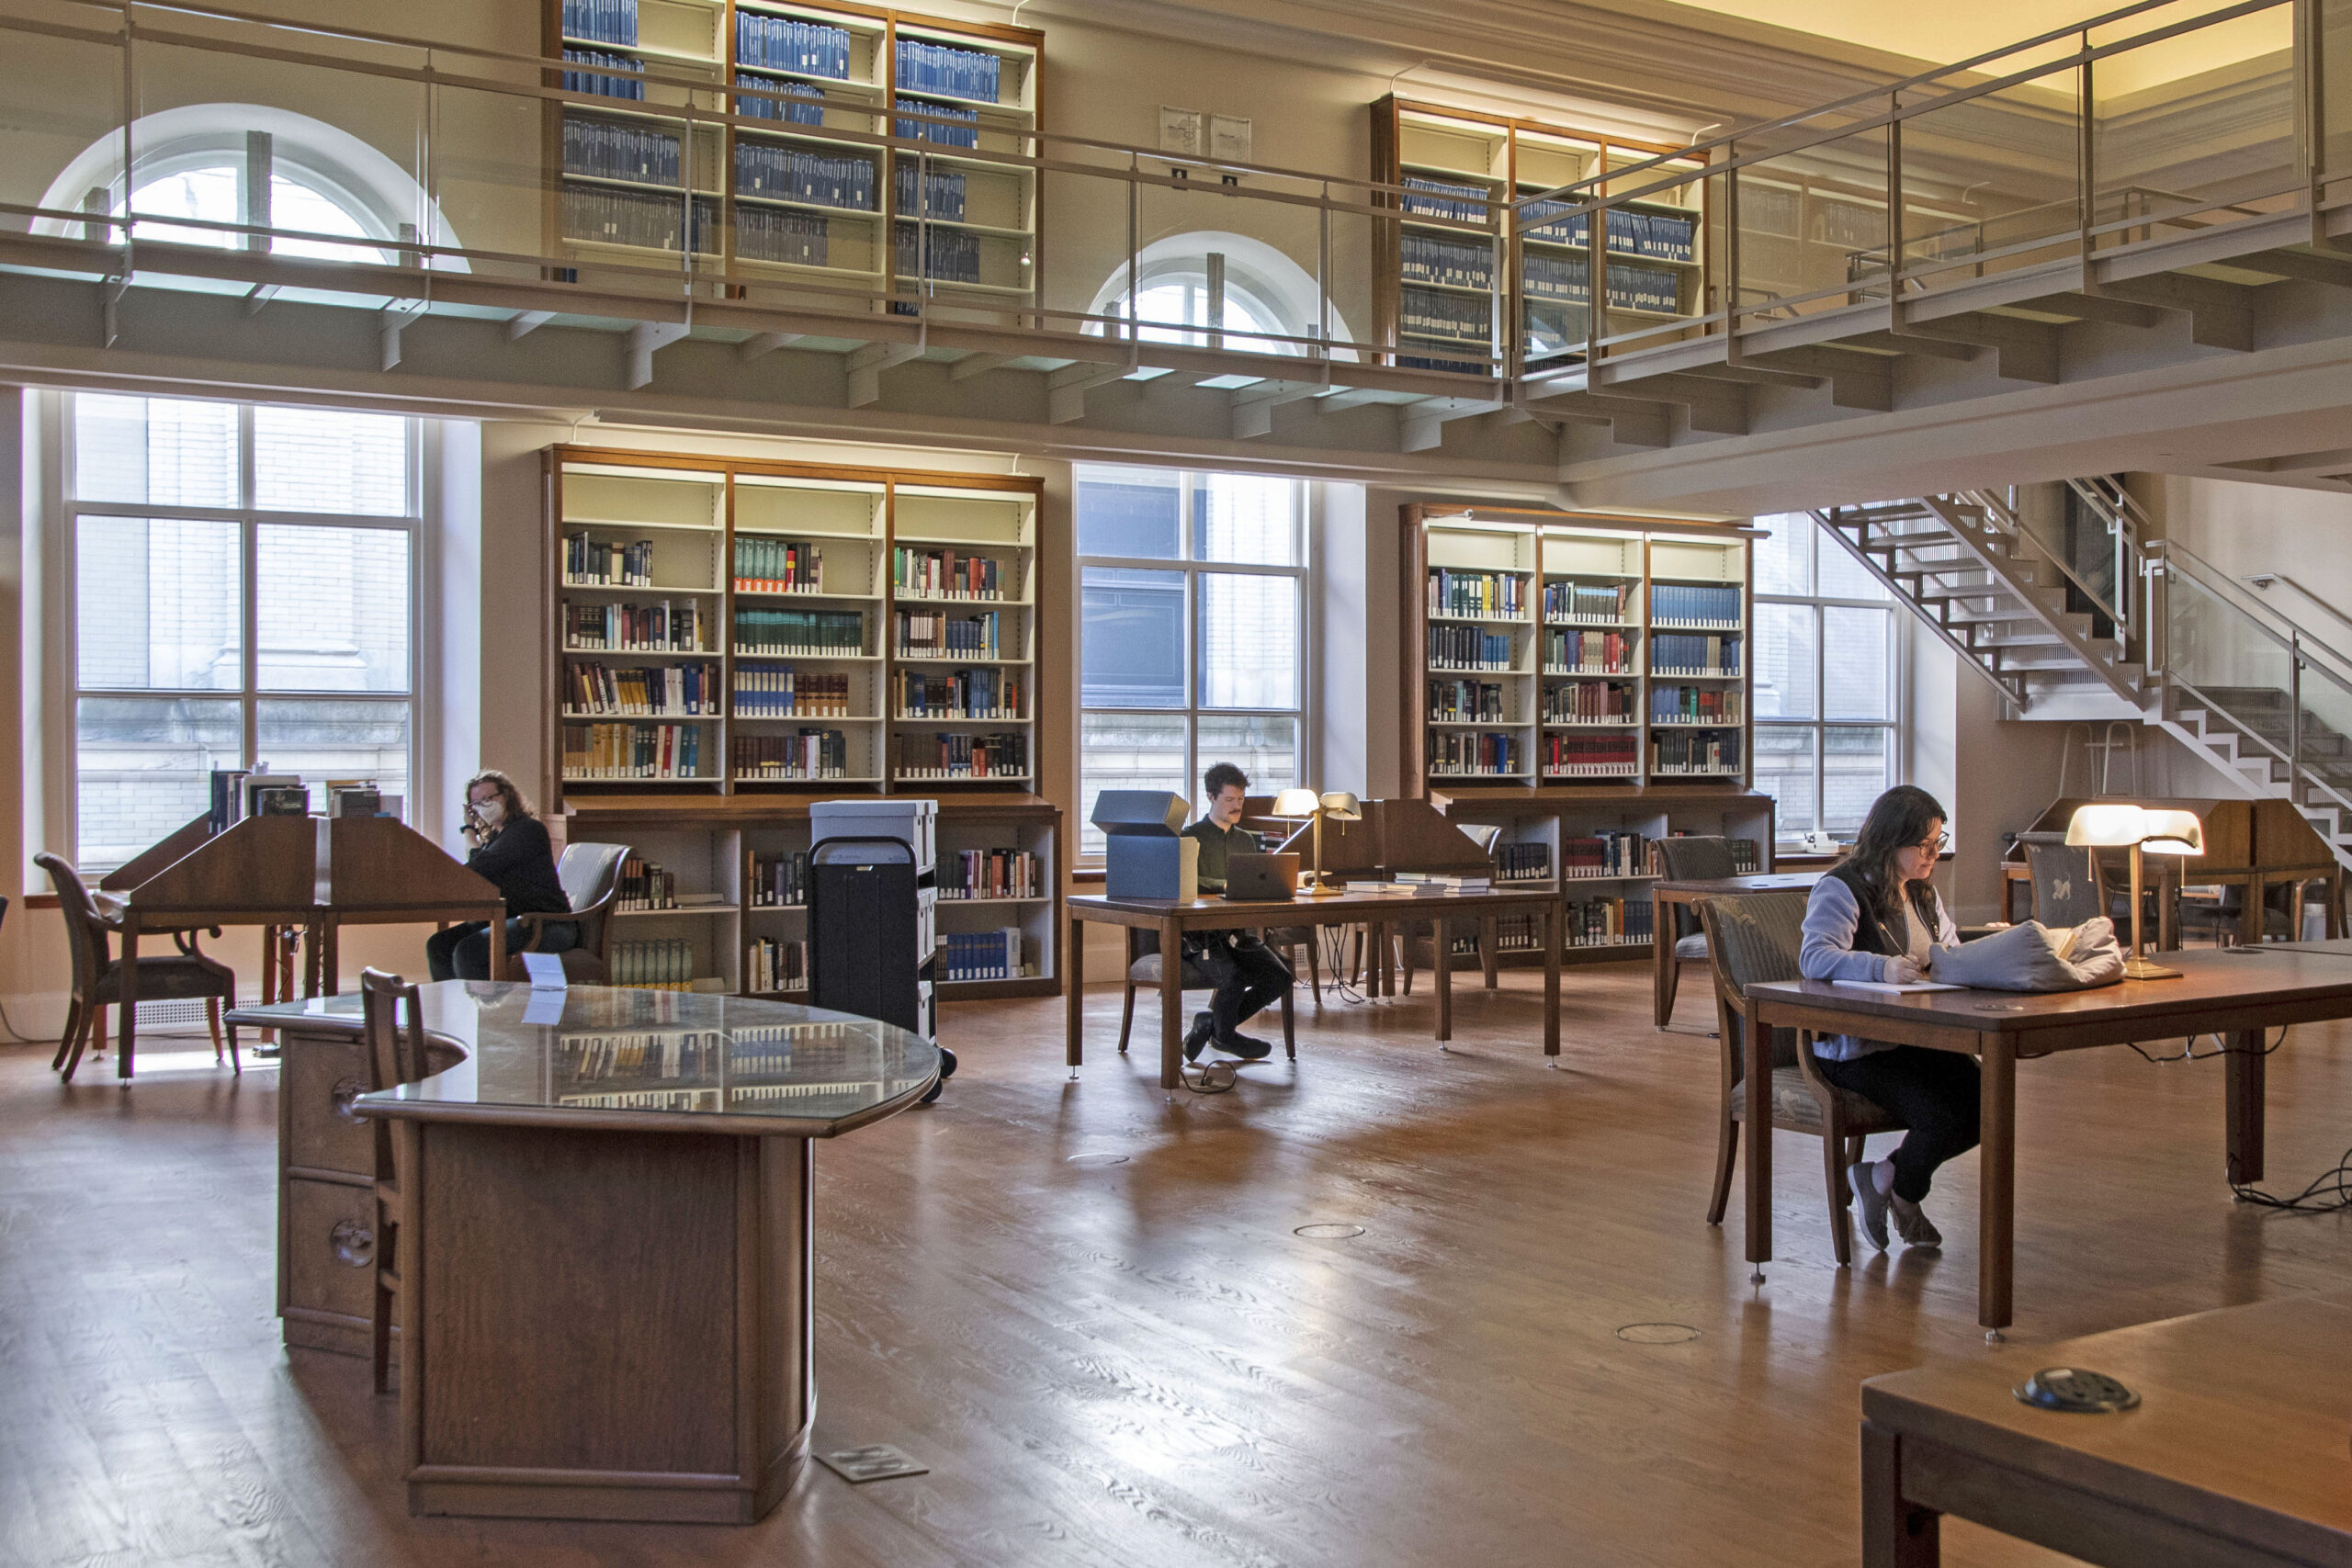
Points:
(1444, 979)
(498, 947)
(1662, 958)
(1384, 982)
(1171, 1004)
(1555, 919)
(2245, 1069)
(1996, 1200)
(1896, 1533)
(125, 1026)
(1074, 999)
(1757, 1066)
(1489, 951)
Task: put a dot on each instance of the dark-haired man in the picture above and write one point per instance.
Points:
(1247, 974)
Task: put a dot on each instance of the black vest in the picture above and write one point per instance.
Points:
(1871, 934)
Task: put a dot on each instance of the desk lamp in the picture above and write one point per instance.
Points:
(1339, 804)
(2121, 825)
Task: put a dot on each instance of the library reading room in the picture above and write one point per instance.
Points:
(1329, 783)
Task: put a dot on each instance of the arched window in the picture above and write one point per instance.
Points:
(1220, 290)
(223, 192)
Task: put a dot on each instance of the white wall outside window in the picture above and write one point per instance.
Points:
(1827, 686)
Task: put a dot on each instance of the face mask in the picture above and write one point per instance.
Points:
(491, 812)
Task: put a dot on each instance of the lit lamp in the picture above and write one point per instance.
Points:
(2121, 825)
(1296, 804)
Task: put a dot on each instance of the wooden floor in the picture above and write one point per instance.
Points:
(1140, 1363)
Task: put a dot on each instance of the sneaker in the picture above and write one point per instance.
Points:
(1911, 1223)
(1197, 1039)
(1246, 1048)
(1870, 1203)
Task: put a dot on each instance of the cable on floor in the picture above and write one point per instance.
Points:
(2327, 1193)
(2190, 1052)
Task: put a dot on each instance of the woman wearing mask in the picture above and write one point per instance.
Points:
(512, 849)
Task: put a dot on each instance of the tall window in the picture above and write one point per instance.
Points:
(1827, 703)
(1192, 631)
(243, 591)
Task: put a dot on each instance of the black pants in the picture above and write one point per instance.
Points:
(1934, 1091)
(462, 952)
(1247, 975)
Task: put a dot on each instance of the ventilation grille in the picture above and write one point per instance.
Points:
(166, 1014)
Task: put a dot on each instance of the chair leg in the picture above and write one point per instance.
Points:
(73, 1032)
(94, 1026)
(1314, 969)
(1673, 979)
(212, 1023)
(1726, 1161)
(1856, 1146)
(1841, 1229)
(1405, 958)
(1127, 1017)
(1290, 1036)
(235, 1067)
(381, 1337)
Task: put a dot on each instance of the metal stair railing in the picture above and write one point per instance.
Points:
(1971, 658)
(2001, 519)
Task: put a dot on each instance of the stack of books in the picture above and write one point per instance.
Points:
(779, 881)
(981, 955)
(770, 966)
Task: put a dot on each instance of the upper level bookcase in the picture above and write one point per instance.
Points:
(630, 182)
(1551, 647)
(728, 627)
(1447, 291)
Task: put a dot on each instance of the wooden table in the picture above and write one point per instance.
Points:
(1666, 897)
(605, 1260)
(1172, 917)
(2238, 994)
(2236, 1454)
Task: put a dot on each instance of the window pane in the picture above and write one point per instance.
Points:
(1842, 576)
(1249, 641)
(329, 738)
(1780, 557)
(1265, 749)
(144, 768)
(1853, 775)
(331, 608)
(1784, 771)
(160, 450)
(1857, 667)
(1130, 512)
(1245, 520)
(158, 603)
(327, 461)
(1784, 661)
(1131, 638)
(1118, 750)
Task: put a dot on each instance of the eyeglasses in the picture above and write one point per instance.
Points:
(1936, 845)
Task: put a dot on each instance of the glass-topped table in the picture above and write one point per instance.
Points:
(600, 1235)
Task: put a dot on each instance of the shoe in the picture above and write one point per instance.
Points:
(1242, 1046)
(1911, 1223)
(1197, 1039)
(1870, 1203)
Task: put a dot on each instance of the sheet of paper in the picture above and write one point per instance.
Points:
(545, 1006)
(545, 969)
(1891, 985)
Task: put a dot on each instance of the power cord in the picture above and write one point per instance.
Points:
(2190, 1052)
(2328, 1192)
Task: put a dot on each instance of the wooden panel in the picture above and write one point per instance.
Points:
(316, 1277)
(317, 1077)
(579, 1300)
(385, 864)
(263, 863)
(181, 842)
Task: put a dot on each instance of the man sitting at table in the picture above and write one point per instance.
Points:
(1247, 974)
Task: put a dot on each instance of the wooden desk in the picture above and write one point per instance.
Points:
(2236, 1455)
(1171, 919)
(605, 1262)
(2238, 994)
(1666, 897)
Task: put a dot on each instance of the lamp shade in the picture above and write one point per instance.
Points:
(2174, 834)
(2117, 824)
(1342, 807)
(1295, 803)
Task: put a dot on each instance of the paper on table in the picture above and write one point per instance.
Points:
(1892, 986)
(545, 969)
(545, 1006)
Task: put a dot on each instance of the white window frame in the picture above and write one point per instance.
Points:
(1897, 724)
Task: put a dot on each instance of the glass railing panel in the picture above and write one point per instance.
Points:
(2197, 129)
(2335, 83)
(1972, 213)
(2232, 661)
(65, 98)
(2324, 744)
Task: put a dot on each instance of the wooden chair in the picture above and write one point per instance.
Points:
(1754, 938)
(590, 874)
(1692, 857)
(395, 1055)
(1414, 936)
(97, 976)
(1142, 970)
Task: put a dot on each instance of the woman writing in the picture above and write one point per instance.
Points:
(1875, 917)
(512, 849)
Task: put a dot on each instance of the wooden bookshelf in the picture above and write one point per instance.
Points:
(798, 201)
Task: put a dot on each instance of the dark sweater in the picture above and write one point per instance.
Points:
(1216, 844)
(521, 862)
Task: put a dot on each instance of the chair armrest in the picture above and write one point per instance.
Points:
(535, 925)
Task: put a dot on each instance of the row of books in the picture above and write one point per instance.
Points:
(1451, 366)
(645, 886)
(1494, 593)
(675, 1053)
(963, 135)
(594, 563)
(1522, 862)
(238, 793)
(781, 692)
(948, 256)
(1658, 235)
(1694, 704)
(667, 964)
(777, 565)
(1427, 198)
(1469, 647)
(1591, 702)
(1610, 851)
(991, 874)
(787, 43)
(660, 627)
(1631, 288)
(946, 574)
(795, 239)
(792, 173)
(981, 955)
(1478, 752)
(1434, 258)
(951, 755)
(811, 754)
(655, 689)
(1463, 701)
(940, 195)
(1591, 756)
(770, 966)
(1679, 653)
(923, 634)
(960, 694)
(1609, 922)
(798, 102)
(1691, 604)
(603, 86)
(600, 21)
(1461, 316)
(643, 218)
(778, 881)
(1572, 600)
(1706, 752)
(942, 68)
(606, 151)
(632, 750)
(812, 633)
(1588, 653)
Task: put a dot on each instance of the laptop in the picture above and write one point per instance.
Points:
(1255, 879)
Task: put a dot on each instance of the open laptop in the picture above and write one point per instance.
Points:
(1253, 879)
